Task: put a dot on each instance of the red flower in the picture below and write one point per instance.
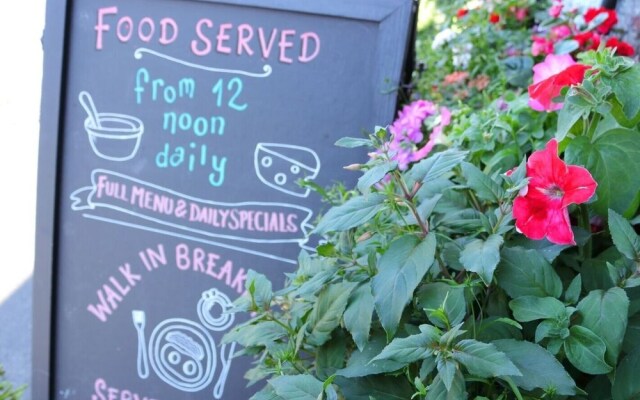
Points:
(541, 46)
(588, 40)
(607, 24)
(553, 186)
(462, 12)
(550, 76)
(494, 18)
(622, 48)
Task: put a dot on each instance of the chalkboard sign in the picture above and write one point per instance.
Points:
(174, 138)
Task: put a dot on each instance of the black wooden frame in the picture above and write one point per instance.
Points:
(392, 16)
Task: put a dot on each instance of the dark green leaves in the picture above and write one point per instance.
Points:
(297, 387)
(483, 359)
(531, 308)
(624, 236)
(412, 348)
(527, 273)
(626, 385)
(353, 213)
(484, 187)
(626, 87)
(612, 158)
(327, 311)
(585, 350)
(375, 175)
(605, 313)
(482, 256)
(400, 270)
(539, 368)
(357, 316)
(435, 166)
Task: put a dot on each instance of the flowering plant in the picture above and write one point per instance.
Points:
(487, 252)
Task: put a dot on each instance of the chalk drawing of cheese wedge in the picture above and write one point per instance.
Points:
(281, 166)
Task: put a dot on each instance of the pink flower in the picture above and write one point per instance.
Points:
(555, 9)
(407, 138)
(553, 187)
(541, 46)
(560, 32)
(604, 27)
(550, 76)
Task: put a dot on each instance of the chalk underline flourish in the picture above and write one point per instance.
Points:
(267, 70)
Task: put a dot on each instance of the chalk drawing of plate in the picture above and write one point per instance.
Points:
(183, 354)
(281, 166)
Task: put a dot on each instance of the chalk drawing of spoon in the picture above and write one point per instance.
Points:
(218, 389)
(139, 320)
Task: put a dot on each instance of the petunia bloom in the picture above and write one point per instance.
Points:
(588, 40)
(541, 46)
(550, 76)
(607, 24)
(553, 186)
(622, 48)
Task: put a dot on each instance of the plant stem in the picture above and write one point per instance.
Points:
(442, 266)
(409, 202)
(586, 250)
(593, 126)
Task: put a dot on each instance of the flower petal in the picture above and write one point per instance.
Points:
(531, 217)
(578, 186)
(559, 227)
(545, 169)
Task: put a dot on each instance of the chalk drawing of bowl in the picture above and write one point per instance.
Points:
(117, 137)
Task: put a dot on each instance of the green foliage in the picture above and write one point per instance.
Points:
(7, 391)
(424, 289)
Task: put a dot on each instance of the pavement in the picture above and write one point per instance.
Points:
(21, 28)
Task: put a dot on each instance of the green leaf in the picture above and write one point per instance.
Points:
(354, 212)
(434, 166)
(362, 363)
(350, 142)
(262, 333)
(456, 391)
(331, 356)
(585, 350)
(327, 311)
(539, 368)
(568, 115)
(375, 175)
(612, 158)
(358, 315)
(260, 289)
(400, 270)
(267, 393)
(482, 257)
(485, 188)
(297, 387)
(447, 371)
(565, 46)
(527, 273)
(427, 366)
(572, 295)
(624, 236)
(605, 313)
(437, 295)
(518, 70)
(626, 86)
(483, 359)
(411, 348)
(531, 308)
(626, 385)
(378, 387)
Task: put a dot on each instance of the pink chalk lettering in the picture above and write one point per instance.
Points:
(198, 260)
(165, 23)
(284, 44)
(127, 23)
(102, 391)
(305, 57)
(112, 293)
(195, 47)
(266, 48)
(101, 26)
(151, 29)
(222, 37)
(245, 34)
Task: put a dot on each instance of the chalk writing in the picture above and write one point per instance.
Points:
(102, 391)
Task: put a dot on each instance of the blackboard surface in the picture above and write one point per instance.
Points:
(173, 137)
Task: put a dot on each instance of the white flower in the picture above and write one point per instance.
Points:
(462, 55)
(443, 37)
